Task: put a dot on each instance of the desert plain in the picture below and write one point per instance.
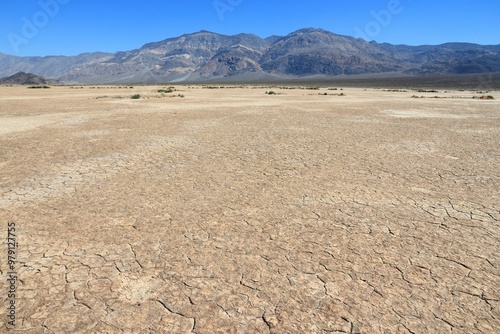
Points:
(229, 210)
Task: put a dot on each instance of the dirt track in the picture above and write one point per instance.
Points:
(233, 211)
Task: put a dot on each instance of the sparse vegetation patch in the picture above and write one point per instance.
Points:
(213, 87)
(326, 94)
(166, 91)
(484, 97)
(274, 93)
(38, 87)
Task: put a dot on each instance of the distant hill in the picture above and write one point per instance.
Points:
(22, 78)
(206, 56)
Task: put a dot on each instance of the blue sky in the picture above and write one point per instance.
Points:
(70, 27)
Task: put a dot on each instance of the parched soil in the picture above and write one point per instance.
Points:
(234, 211)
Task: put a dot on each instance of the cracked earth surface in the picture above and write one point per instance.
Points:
(231, 211)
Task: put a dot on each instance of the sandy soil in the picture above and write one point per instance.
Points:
(233, 211)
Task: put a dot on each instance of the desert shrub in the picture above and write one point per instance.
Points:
(38, 87)
(271, 93)
(484, 97)
(169, 90)
(135, 96)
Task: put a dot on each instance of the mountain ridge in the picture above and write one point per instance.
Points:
(22, 78)
(205, 56)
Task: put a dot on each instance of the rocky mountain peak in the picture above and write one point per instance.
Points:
(22, 78)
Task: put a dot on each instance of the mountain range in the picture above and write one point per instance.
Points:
(205, 56)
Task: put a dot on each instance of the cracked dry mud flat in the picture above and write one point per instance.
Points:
(231, 211)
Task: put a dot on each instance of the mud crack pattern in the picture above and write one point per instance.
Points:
(235, 212)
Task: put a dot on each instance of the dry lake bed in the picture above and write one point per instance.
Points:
(229, 210)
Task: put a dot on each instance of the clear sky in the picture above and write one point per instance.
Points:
(70, 27)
